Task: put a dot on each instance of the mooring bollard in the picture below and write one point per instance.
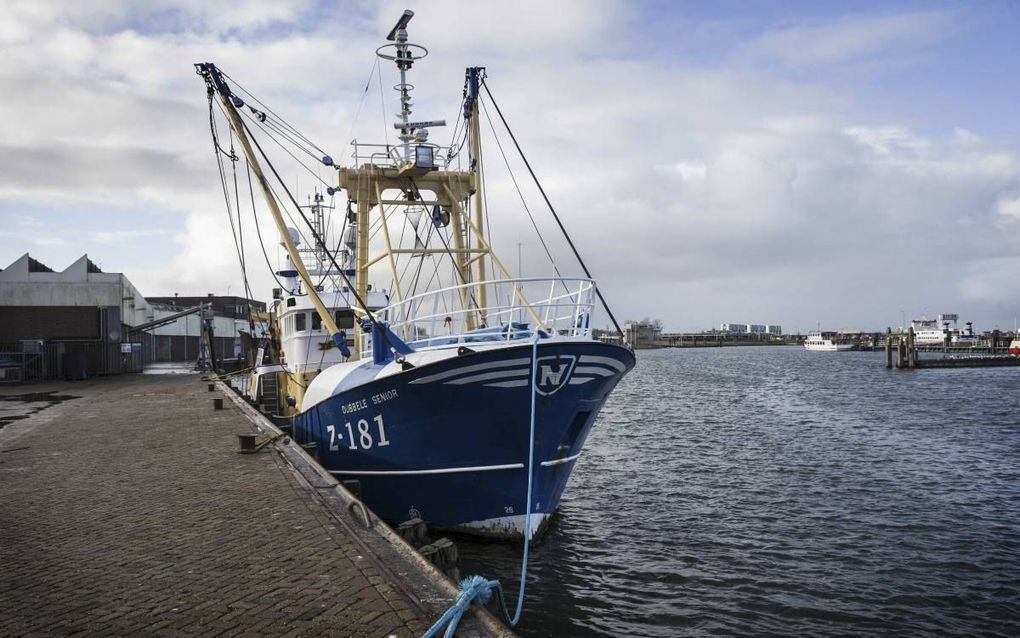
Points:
(413, 531)
(447, 551)
(246, 442)
(429, 553)
(217, 404)
(353, 486)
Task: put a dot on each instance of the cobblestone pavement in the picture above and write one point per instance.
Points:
(127, 511)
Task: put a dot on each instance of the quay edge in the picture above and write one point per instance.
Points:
(418, 578)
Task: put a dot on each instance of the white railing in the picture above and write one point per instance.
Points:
(514, 308)
(392, 155)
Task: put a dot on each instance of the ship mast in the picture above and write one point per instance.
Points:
(215, 78)
(424, 180)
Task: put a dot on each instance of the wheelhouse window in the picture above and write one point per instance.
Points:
(316, 321)
(299, 322)
(345, 319)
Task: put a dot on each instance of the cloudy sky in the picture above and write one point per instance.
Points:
(783, 162)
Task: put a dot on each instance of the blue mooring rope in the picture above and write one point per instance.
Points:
(475, 588)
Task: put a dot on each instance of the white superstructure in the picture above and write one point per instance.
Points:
(827, 342)
(929, 332)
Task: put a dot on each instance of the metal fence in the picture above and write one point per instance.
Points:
(35, 360)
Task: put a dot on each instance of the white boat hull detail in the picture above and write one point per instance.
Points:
(510, 527)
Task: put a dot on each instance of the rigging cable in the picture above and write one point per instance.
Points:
(475, 588)
(364, 94)
(449, 251)
(587, 273)
(267, 129)
(524, 202)
(273, 113)
(239, 243)
(262, 243)
(234, 233)
(294, 225)
(382, 105)
(318, 239)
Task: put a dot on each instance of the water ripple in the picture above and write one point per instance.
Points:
(772, 491)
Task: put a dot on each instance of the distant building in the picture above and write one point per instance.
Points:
(234, 307)
(644, 333)
(89, 313)
(179, 341)
(750, 329)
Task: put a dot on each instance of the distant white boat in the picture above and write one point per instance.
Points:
(827, 342)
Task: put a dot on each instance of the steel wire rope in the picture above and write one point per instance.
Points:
(450, 152)
(258, 231)
(364, 306)
(239, 244)
(520, 194)
(296, 226)
(236, 234)
(272, 112)
(285, 149)
(420, 258)
(563, 229)
(382, 105)
(364, 96)
(287, 136)
(400, 241)
(453, 260)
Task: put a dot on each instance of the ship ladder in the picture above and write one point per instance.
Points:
(269, 397)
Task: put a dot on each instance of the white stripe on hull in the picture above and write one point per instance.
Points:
(488, 376)
(440, 470)
(475, 368)
(566, 459)
(606, 361)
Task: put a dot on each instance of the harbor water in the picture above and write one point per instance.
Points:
(774, 491)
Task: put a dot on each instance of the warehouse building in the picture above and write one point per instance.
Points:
(82, 321)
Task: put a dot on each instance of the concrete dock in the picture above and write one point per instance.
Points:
(127, 510)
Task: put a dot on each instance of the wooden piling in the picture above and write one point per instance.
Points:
(911, 348)
(888, 348)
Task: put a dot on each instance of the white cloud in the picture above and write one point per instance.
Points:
(701, 191)
(1008, 206)
(852, 37)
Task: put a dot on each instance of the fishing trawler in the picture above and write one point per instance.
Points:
(459, 397)
(301, 345)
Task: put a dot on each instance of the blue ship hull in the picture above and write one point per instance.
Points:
(448, 442)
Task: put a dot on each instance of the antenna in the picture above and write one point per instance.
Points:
(405, 54)
(401, 26)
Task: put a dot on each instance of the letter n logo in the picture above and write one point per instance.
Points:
(554, 372)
